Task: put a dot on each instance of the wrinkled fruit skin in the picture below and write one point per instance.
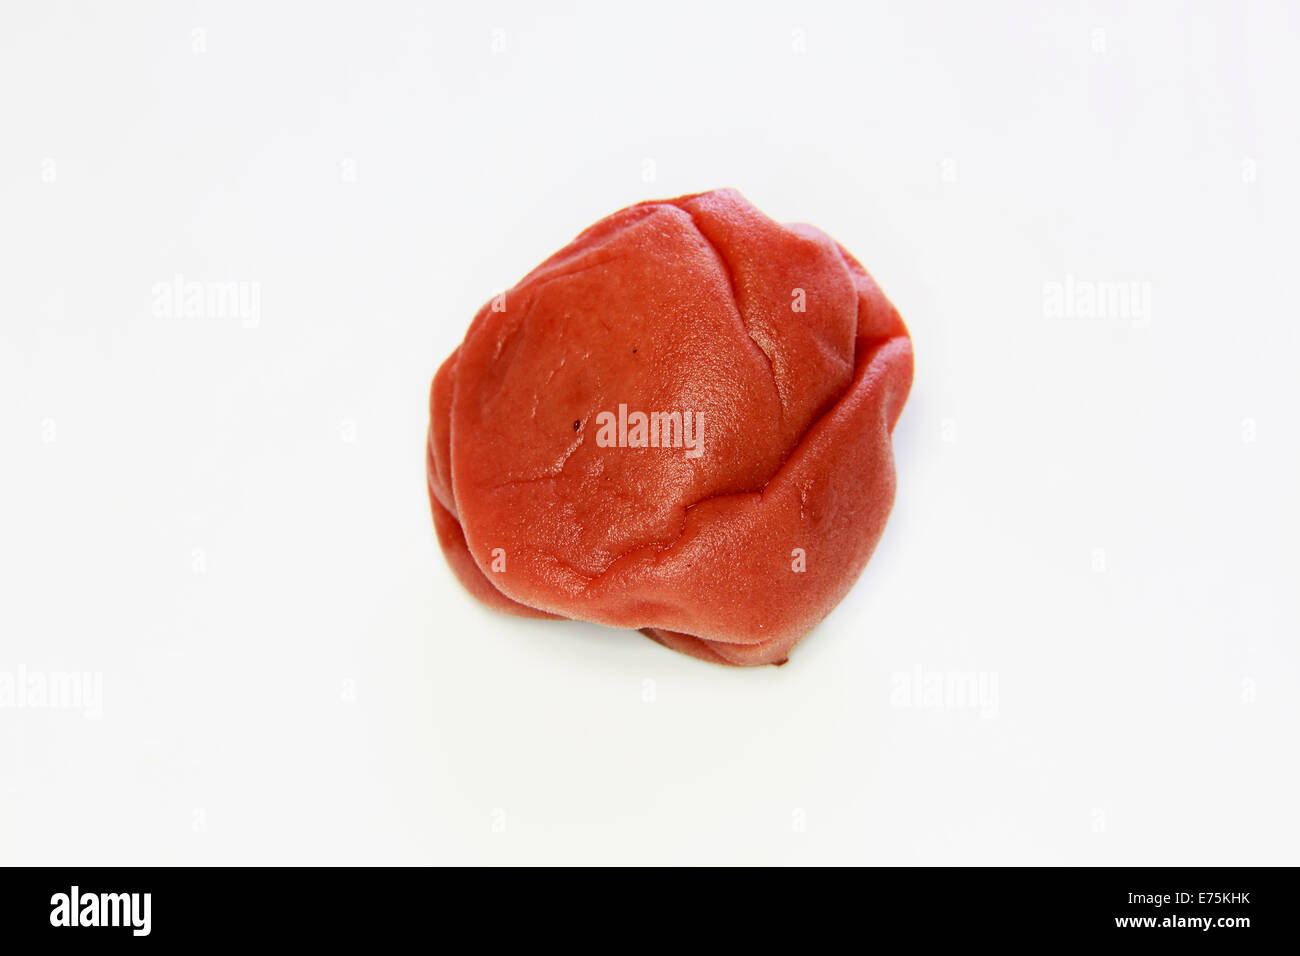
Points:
(685, 304)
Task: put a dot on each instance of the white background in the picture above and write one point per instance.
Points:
(229, 525)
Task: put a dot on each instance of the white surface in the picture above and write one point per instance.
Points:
(229, 525)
